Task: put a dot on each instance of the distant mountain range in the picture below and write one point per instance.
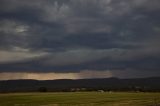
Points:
(106, 84)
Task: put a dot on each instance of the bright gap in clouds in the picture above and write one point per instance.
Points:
(52, 76)
(84, 74)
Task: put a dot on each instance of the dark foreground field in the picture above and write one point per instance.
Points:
(80, 99)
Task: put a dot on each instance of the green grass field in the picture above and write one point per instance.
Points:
(80, 99)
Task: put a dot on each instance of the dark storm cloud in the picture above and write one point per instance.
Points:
(75, 35)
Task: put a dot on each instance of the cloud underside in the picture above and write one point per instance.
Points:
(65, 37)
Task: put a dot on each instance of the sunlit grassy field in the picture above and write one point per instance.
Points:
(80, 99)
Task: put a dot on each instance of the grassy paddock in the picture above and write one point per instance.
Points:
(80, 99)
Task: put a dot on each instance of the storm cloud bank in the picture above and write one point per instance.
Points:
(69, 36)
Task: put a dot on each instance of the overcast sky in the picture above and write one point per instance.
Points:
(54, 39)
